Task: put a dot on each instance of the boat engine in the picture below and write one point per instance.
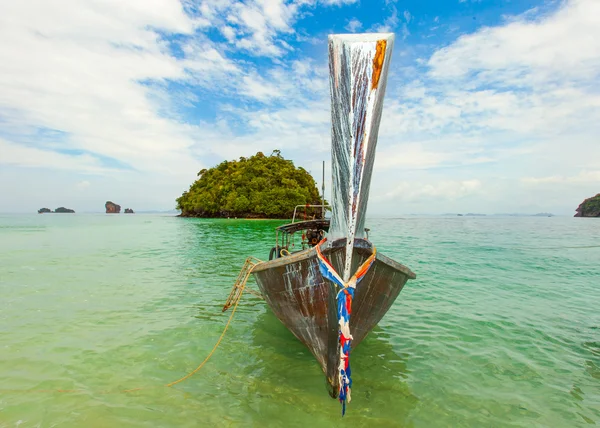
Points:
(314, 236)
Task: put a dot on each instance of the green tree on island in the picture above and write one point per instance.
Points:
(256, 187)
(589, 208)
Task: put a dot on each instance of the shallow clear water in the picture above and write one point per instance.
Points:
(501, 327)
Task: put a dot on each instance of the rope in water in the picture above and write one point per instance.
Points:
(239, 285)
(234, 300)
(197, 369)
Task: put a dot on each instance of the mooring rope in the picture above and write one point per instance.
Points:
(236, 294)
(233, 300)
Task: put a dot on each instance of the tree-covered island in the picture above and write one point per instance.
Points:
(589, 208)
(58, 210)
(256, 187)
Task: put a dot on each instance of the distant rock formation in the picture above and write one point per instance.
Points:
(129, 211)
(59, 210)
(589, 208)
(64, 210)
(112, 208)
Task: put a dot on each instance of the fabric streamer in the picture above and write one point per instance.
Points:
(344, 308)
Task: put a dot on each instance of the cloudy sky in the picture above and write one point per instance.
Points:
(491, 106)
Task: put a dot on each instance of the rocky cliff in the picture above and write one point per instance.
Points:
(112, 208)
(589, 208)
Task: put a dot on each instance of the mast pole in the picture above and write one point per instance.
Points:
(323, 194)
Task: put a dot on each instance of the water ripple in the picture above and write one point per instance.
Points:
(501, 328)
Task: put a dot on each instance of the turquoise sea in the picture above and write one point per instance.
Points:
(500, 329)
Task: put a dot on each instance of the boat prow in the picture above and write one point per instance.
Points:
(306, 302)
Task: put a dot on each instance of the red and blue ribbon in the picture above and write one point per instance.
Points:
(344, 306)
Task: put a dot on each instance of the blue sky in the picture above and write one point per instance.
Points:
(491, 106)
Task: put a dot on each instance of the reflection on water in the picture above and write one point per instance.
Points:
(281, 361)
(592, 366)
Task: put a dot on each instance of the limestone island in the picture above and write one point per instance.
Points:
(129, 211)
(589, 208)
(256, 187)
(60, 210)
(112, 208)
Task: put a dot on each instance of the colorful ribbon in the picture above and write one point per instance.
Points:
(344, 306)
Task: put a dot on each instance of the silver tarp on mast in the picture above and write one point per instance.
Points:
(358, 68)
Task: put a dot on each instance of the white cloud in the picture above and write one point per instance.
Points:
(82, 185)
(15, 154)
(583, 177)
(256, 26)
(389, 23)
(535, 81)
(261, 24)
(294, 82)
(353, 25)
(78, 68)
(259, 88)
(557, 48)
(229, 33)
(521, 99)
(439, 191)
(419, 155)
(337, 2)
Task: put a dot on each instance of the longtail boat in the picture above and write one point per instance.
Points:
(336, 287)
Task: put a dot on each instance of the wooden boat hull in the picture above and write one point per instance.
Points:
(305, 302)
